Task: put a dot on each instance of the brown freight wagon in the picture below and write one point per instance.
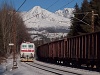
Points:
(43, 52)
(76, 51)
(84, 49)
(56, 51)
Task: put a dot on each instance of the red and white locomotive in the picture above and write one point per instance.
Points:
(27, 51)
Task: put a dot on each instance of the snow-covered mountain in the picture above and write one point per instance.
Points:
(39, 20)
(67, 12)
(39, 17)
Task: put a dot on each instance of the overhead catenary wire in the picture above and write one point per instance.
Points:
(66, 4)
(85, 15)
(15, 13)
(46, 9)
(21, 5)
(82, 13)
(81, 21)
(51, 6)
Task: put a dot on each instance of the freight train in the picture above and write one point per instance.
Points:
(75, 51)
(27, 51)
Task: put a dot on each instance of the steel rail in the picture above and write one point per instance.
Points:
(42, 67)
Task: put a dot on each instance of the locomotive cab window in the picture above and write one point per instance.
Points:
(24, 46)
(30, 46)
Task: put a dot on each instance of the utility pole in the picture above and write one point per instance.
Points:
(93, 30)
(92, 21)
(14, 41)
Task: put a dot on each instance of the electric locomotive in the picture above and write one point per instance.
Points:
(27, 51)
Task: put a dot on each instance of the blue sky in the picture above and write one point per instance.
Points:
(29, 4)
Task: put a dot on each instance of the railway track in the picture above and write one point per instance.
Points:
(50, 69)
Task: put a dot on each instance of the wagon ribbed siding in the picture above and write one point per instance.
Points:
(76, 51)
(84, 49)
(50, 52)
(98, 50)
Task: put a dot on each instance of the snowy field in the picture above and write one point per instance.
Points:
(24, 69)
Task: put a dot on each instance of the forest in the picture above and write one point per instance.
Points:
(86, 18)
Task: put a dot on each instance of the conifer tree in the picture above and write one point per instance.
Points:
(86, 17)
(81, 23)
(75, 27)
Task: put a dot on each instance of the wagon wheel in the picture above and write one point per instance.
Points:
(92, 65)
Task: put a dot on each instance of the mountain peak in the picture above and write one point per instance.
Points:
(67, 12)
(45, 18)
(36, 8)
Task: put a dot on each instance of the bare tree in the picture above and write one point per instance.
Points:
(8, 18)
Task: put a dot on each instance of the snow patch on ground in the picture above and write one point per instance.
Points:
(24, 69)
(69, 69)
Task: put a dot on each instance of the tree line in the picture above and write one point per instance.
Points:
(11, 21)
(82, 20)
